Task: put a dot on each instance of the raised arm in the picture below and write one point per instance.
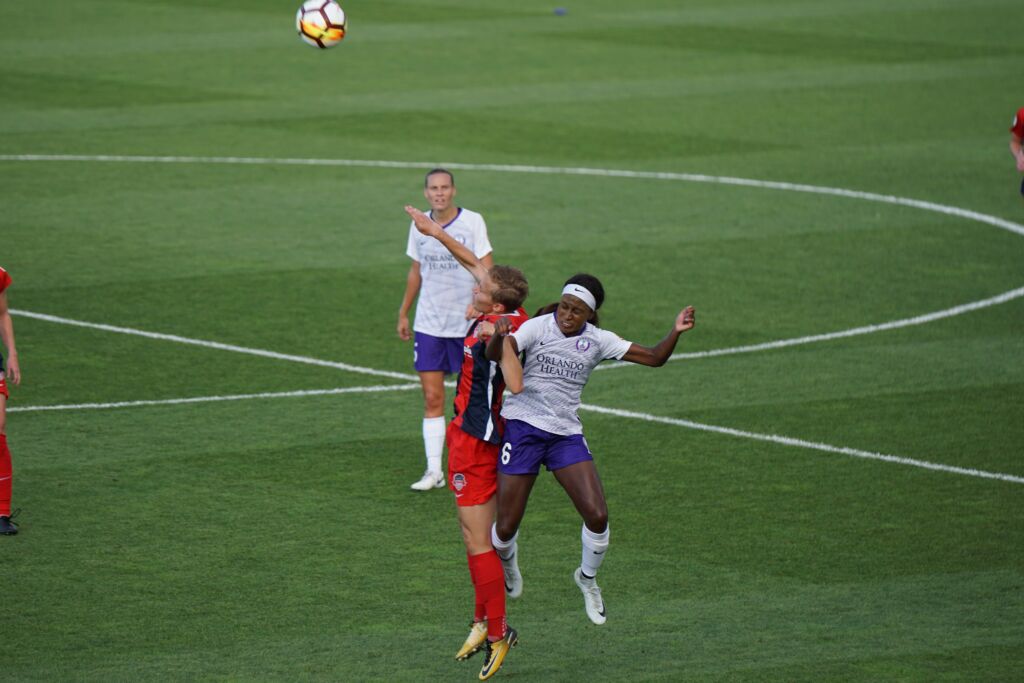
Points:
(498, 345)
(511, 368)
(477, 267)
(657, 355)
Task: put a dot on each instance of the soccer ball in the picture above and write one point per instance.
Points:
(321, 23)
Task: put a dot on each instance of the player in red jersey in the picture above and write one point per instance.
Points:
(1016, 142)
(473, 439)
(9, 370)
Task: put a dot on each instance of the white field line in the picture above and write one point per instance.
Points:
(213, 399)
(853, 332)
(800, 443)
(619, 173)
(611, 173)
(217, 345)
(728, 431)
(548, 170)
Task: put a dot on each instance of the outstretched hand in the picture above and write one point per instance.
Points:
(424, 223)
(685, 320)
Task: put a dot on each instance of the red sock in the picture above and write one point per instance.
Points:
(480, 612)
(5, 478)
(489, 583)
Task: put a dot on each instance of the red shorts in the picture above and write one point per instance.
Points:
(3, 387)
(472, 467)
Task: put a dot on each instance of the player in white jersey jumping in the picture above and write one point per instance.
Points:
(444, 309)
(561, 345)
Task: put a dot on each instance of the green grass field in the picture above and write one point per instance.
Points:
(275, 538)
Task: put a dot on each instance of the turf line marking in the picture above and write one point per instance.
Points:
(853, 332)
(800, 443)
(548, 170)
(609, 173)
(217, 345)
(212, 399)
(619, 173)
(629, 414)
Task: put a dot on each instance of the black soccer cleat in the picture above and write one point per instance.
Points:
(7, 527)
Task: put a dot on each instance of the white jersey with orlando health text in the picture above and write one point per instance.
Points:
(555, 370)
(447, 288)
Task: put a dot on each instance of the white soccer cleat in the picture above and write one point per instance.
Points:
(513, 578)
(429, 480)
(591, 597)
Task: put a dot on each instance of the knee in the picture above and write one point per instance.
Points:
(505, 529)
(433, 402)
(596, 518)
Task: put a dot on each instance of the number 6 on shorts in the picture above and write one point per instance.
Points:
(506, 453)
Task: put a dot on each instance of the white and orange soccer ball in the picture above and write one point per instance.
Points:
(321, 23)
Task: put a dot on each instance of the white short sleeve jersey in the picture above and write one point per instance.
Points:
(447, 287)
(555, 370)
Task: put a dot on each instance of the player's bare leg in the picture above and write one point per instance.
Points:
(432, 383)
(513, 493)
(581, 482)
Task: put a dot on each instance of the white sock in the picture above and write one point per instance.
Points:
(505, 549)
(433, 441)
(594, 548)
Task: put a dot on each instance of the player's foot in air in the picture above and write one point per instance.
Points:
(513, 578)
(591, 596)
(496, 653)
(474, 641)
(429, 480)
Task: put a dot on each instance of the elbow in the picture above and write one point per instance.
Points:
(514, 387)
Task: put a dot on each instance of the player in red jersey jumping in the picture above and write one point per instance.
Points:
(474, 436)
(1016, 141)
(9, 370)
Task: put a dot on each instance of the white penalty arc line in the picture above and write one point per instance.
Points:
(853, 332)
(302, 393)
(610, 173)
(217, 345)
(800, 443)
(547, 170)
(1003, 224)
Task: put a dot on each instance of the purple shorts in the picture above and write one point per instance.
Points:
(431, 353)
(526, 448)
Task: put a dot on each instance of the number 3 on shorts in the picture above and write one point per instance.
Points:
(506, 453)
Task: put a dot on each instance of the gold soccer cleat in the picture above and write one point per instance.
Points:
(496, 653)
(474, 641)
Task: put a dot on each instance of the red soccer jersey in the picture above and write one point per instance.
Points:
(5, 280)
(1018, 124)
(480, 386)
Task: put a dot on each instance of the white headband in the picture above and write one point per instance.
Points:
(581, 293)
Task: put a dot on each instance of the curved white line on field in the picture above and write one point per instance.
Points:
(548, 170)
(867, 329)
(889, 199)
(994, 221)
